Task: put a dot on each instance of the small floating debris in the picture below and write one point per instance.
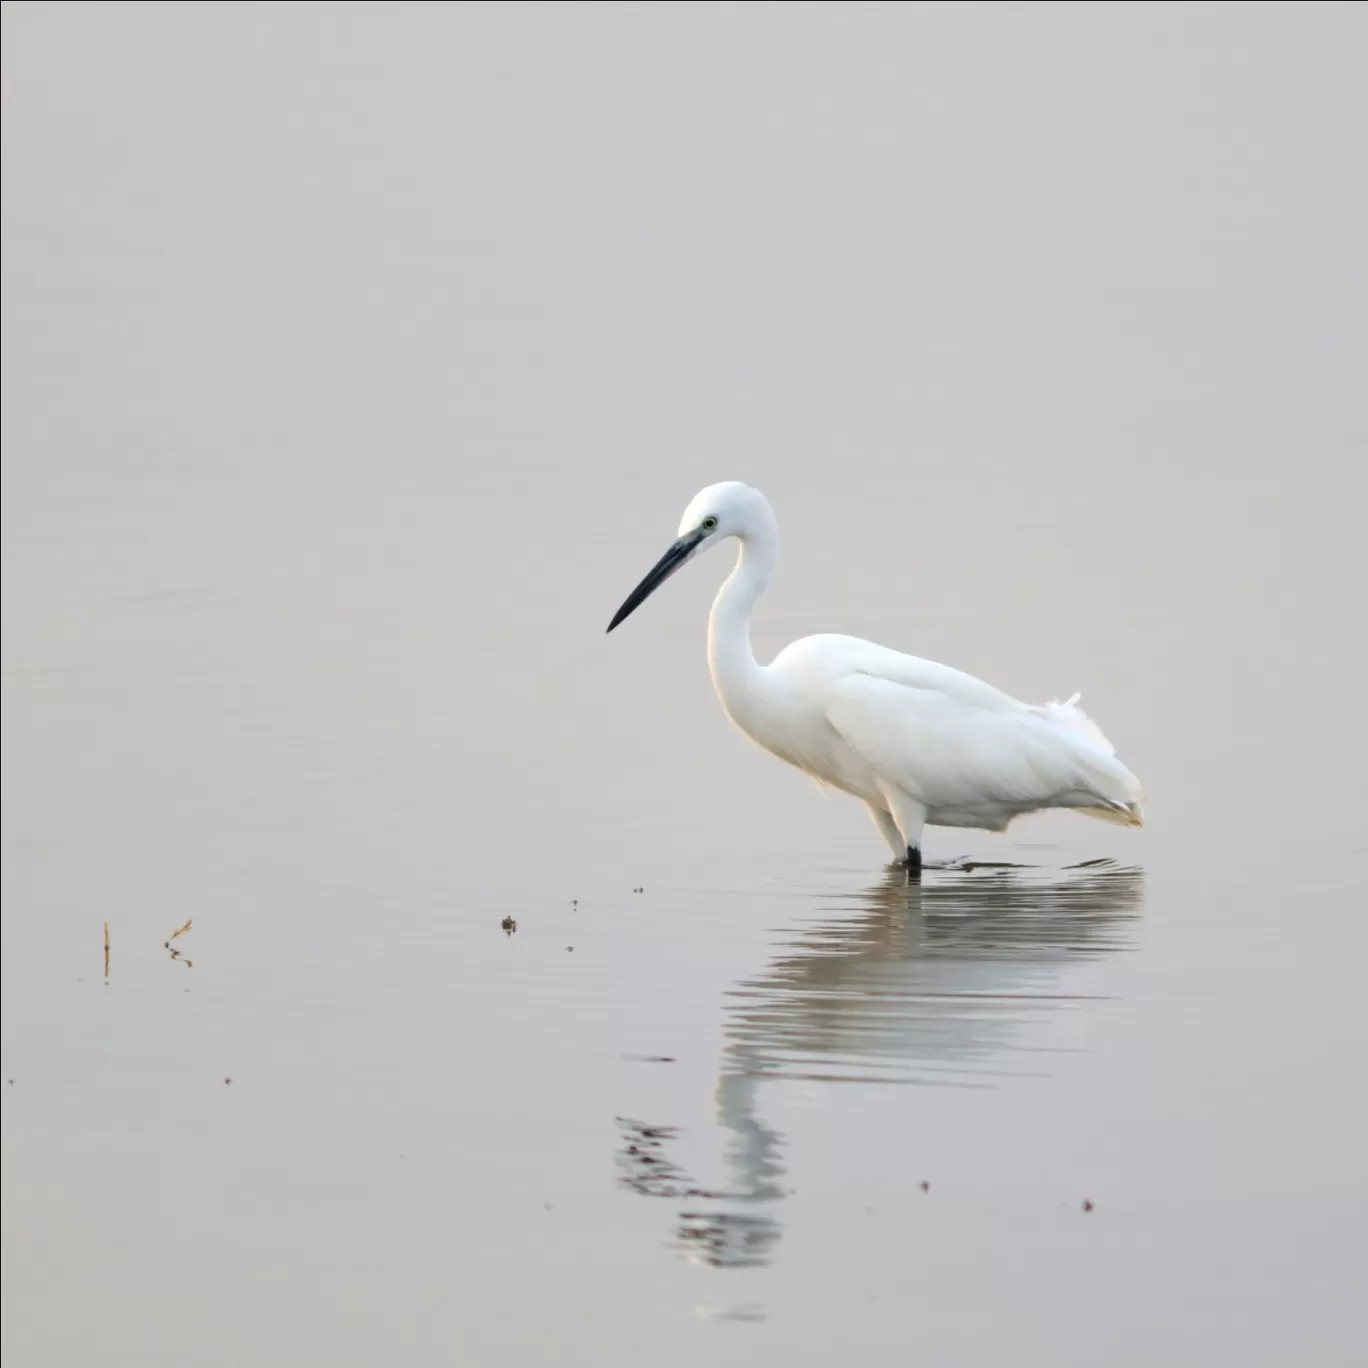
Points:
(924, 1185)
(1087, 1205)
(638, 890)
(177, 954)
(508, 925)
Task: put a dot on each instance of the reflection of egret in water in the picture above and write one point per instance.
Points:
(927, 983)
(911, 983)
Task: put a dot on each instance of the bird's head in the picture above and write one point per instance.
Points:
(729, 509)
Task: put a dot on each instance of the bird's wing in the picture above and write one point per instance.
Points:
(946, 750)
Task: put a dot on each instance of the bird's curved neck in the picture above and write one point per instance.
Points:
(735, 672)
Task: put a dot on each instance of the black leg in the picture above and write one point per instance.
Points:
(914, 863)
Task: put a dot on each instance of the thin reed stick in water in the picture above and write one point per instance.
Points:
(106, 949)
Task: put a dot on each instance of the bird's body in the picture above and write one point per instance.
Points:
(919, 743)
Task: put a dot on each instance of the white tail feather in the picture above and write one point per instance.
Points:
(1117, 787)
(1069, 714)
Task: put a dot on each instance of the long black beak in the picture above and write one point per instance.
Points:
(660, 572)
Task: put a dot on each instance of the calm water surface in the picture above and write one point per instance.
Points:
(336, 428)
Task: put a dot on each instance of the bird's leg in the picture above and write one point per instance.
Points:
(888, 829)
(909, 817)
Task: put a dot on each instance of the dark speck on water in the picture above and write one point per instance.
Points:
(509, 925)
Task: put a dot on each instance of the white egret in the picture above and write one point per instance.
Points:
(918, 743)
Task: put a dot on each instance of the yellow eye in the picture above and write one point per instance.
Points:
(708, 523)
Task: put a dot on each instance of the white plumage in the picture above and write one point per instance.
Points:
(918, 742)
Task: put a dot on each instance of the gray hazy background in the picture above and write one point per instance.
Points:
(359, 358)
